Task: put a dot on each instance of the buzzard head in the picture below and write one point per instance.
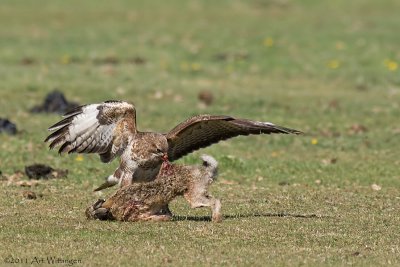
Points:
(153, 148)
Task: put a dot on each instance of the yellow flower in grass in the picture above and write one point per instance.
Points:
(268, 42)
(79, 157)
(391, 65)
(314, 141)
(333, 64)
(195, 66)
(186, 66)
(65, 59)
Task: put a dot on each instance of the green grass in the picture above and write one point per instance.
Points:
(318, 66)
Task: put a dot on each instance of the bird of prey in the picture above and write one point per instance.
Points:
(109, 129)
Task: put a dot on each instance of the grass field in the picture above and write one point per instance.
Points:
(329, 68)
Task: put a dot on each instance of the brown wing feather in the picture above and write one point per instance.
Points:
(97, 128)
(203, 130)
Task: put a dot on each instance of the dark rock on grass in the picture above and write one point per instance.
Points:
(28, 61)
(137, 60)
(7, 126)
(41, 171)
(55, 102)
(237, 56)
(112, 60)
(38, 171)
(206, 97)
(106, 60)
(29, 194)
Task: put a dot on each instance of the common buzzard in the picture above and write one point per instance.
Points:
(109, 129)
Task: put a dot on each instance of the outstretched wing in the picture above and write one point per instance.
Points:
(97, 128)
(203, 130)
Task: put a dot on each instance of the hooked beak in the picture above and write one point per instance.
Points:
(165, 157)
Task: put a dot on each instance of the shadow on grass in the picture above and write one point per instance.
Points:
(238, 216)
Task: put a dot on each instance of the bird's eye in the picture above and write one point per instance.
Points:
(159, 150)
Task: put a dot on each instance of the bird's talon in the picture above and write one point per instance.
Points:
(98, 203)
